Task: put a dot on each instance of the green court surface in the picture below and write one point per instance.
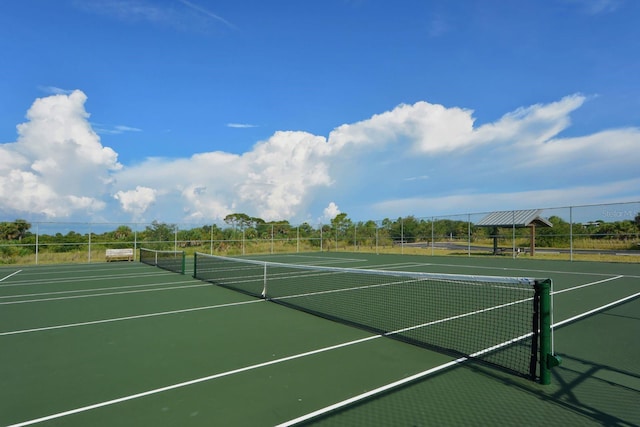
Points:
(126, 344)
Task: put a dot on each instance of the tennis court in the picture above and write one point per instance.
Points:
(130, 344)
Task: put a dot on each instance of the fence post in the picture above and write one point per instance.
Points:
(469, 234)
(37, 241)
(89, 255)
(513, 234)
(570, 233)
(402, 236)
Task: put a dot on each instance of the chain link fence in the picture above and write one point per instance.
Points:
(602, 232)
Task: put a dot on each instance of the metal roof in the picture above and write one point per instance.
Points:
(524, 218)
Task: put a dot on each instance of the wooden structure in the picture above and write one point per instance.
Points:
(514, 219)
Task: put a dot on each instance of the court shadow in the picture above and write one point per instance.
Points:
(598, 383)
(603, 393)
(582, 393)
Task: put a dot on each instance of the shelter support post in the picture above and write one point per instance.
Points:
(533, 239)
(494, 233)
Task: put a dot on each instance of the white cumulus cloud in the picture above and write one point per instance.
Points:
(330, 212)
(419, 159)
(136, 201)
(58, 165)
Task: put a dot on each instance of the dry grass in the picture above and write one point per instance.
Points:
(266, 247)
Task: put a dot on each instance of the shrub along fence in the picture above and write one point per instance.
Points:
(593, 232)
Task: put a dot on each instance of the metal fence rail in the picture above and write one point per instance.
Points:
(595, 231)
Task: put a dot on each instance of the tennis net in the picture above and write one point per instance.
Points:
(497, 320)
(167, 260)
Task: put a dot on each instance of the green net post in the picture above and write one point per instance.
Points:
(547, 359)
(184, 262)
(195, 263)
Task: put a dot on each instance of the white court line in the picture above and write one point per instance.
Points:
(595, 310)
(300, 355)
(191, 382)
(319, 259)
(66, 280)
(10, 275)
(370, 393)
(284, 359)
(428, 372)
(199, 285)
(588, 284)
(544, 273)
(75, 291)
(120, 319)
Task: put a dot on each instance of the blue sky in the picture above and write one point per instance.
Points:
(188, 110)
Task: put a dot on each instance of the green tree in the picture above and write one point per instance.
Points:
(159, 232)
(251, 227)
(123, 232)
(237, 220)
(410, 229)
(556, 236)
(23, 226)
(15, 230)
(306, 230)
(341, 223)
(407, 229)
(338, 229)
(242, 220)
(207, 232)
(7, 231)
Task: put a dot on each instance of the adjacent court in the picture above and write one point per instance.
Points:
(124, 343)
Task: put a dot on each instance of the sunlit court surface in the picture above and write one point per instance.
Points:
(125, 343)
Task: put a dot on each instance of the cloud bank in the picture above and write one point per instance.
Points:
(58, 166)
(421, 159)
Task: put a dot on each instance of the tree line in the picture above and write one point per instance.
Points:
(242, 227)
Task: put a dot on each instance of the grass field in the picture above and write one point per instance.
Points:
(131, 345)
